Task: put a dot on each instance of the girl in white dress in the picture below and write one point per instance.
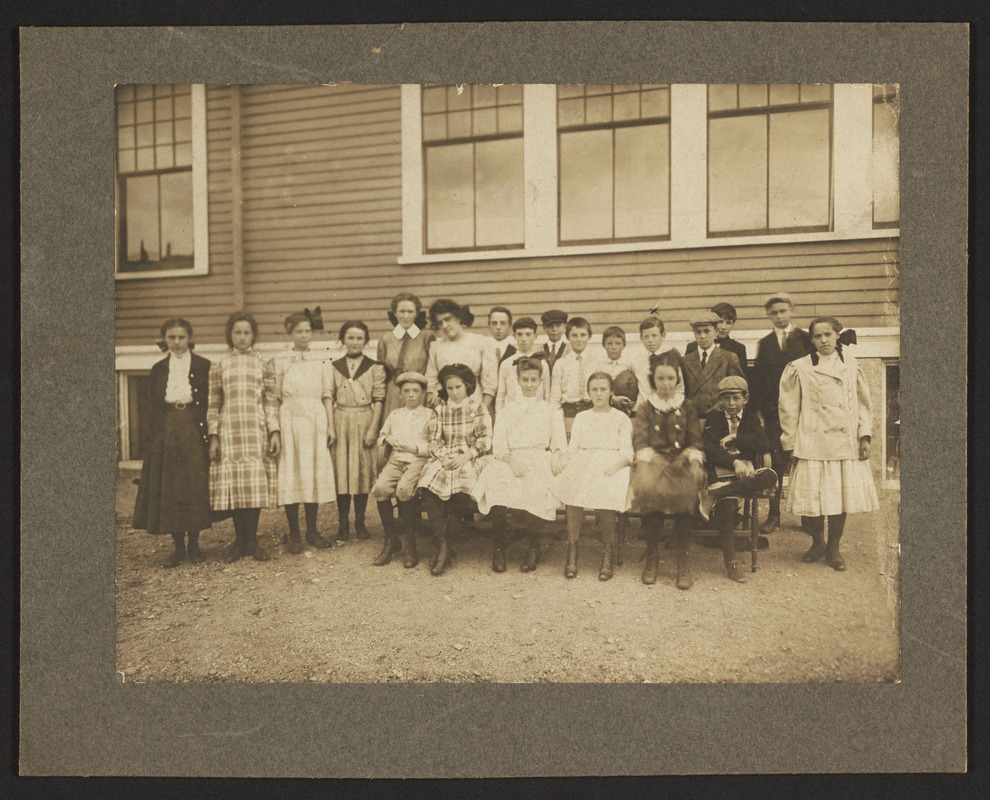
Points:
(528, 445)
(305, 469)
(826, 421)
(596, 472)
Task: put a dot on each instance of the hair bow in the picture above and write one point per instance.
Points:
(315, 318)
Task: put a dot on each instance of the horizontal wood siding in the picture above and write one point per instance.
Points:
(205, 300)
(322, 208)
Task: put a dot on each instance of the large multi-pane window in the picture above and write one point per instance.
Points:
(155, 178)
(473, 167)
(613, 151)
(886, 156)
(769, 158)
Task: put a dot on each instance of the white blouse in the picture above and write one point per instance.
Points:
(178, 388)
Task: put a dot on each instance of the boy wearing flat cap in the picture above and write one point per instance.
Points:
(734, 441)
(405, 437)
(554, 323)
(726, 320)
(784, 344)
(705, 366)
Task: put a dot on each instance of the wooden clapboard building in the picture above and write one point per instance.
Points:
(601, 200)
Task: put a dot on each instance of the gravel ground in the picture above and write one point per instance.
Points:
(329, 616)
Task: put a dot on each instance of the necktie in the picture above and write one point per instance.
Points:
(782, 338)
(581, 390)
(704, 358)
(406, 338)
(734, 424)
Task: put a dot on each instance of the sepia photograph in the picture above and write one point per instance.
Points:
(507, 383)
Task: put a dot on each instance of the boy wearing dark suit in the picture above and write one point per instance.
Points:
(554, 322)
(776, 350)
(706, 365)
(726, 319)
(734, 442)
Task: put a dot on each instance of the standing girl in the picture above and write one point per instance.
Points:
(460, 346)
(596, 472)
(245, 442)
(528, 447)
(406, 348)
(174, 491)
(825, 419)
(305, 470)
(359, 392)
(669, 471)
(460, 438)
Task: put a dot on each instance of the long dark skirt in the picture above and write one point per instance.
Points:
(669, 484)
(174, 492)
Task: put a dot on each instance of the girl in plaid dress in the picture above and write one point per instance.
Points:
(460, 439)
(243, 426)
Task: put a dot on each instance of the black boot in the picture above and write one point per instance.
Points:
(251, 546)
(236, 549)
(836, 525)
(815, 527)
(772, 521)
(500, 535)
(313, 537)
(532, 560)
(652, 525)
(724, 515)
(179, 554)
(571, 567)
(195, 555)
(408, 540)
(360, 506)
(608, 562)
(682, 527)
(292, 516)
(391, 545)
(343, 517)
(443, 555)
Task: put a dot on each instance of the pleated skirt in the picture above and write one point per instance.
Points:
(823, 488)
(354, 464)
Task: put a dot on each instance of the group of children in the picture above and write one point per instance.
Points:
(606, 429)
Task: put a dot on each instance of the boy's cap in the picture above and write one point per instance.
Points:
(705, 318)
(552, 316)
(410, 375)
(778, 297)
(524, 322)
(732, 383)
(724, 310)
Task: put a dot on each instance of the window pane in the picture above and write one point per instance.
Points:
(570, 112)
(145, 159)
(450, 196)
(752, 95)
(499, 193)
(626, 107)
(183, 106)
(599, 109)
(163, 108)
(485, 122)
(458, 101)
(183, 130)
(125, 114)
(183, 155)
(656, 103)
(142, 219)
(145, 111)
(163, 157)
(815, 93)
(145, 135)
(598, 88)
(434, 127)
(799, 169)
(781, 93)
(144, 91)
(569, 90)
(484, 95)
(642, 176)
(177, 215)
(125, 160)
(737, 173)
(434, 99)
(459, 124)
(163, 133)
(586, 185)
(125, 93)
(511, 94)
(510, 119)
(721, 96)
(125, 137)
(886, 164)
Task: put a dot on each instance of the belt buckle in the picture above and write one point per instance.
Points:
(180, 406)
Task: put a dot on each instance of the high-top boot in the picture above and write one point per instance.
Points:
(443, 554)
(815, 527)
(406, 531)
(313, 537)
(195, 554)
(571, 567)
(532, 560)
(653, 528)
(360, 506)
(608, 520)
(500, 524)
(343, 517)
(292, 516)
(685, 536)
(772, 522)
(251, 546)
(391, 545)
(179, 554)
(725, 521)
(836, 525)
(236, 549)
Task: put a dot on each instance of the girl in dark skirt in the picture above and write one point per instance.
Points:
(174, 491)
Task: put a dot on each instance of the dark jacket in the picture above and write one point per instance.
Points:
(666, 431)
(730, 345)
(752, 441)
(701, 386)
(199, 380)
(554, 353)
(764, 383)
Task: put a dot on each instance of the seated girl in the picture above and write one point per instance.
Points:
(528, 446)
(460, 440)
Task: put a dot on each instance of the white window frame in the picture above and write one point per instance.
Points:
(201, 238)
(852, 197)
